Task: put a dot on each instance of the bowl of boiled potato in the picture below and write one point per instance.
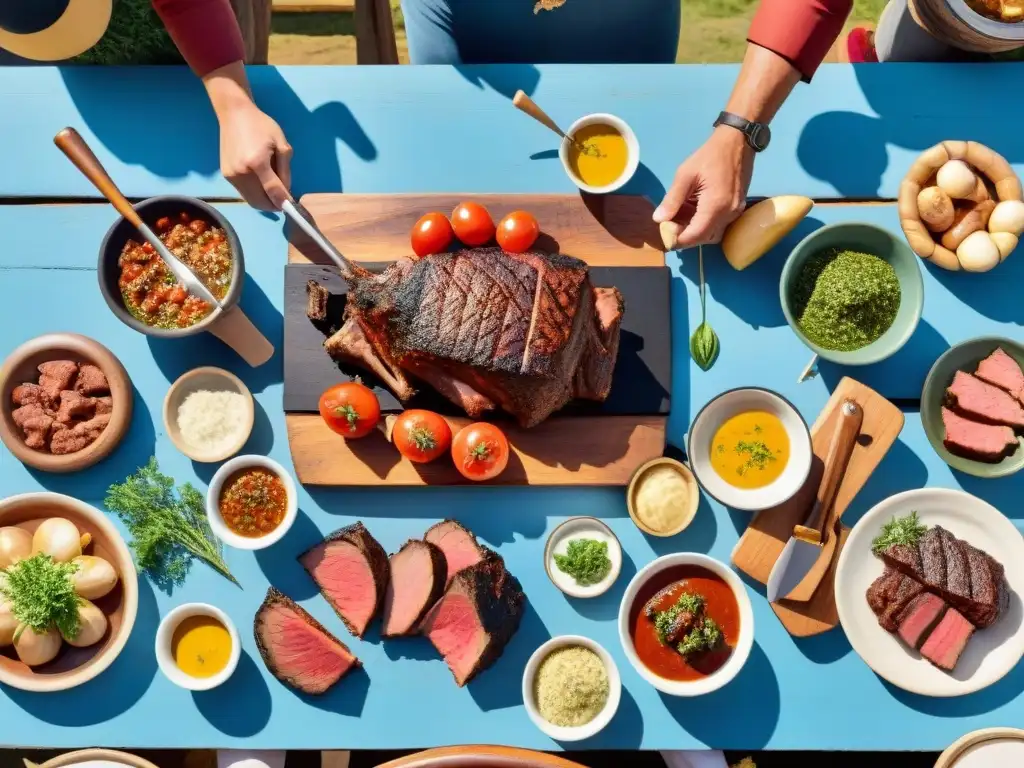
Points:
(961, 206)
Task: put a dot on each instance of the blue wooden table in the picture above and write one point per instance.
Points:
(851, 134)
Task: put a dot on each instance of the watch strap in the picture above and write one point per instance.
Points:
(757, 134)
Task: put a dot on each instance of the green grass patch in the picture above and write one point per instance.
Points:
(135, 36)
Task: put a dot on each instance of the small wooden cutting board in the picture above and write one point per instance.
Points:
(762, 542)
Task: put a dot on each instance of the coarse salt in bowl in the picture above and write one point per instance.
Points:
(208, 414)
(226, 472)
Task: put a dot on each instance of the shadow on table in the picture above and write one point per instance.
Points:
(241, 706)
(994, 294)
(606, 607)
(112, 693)
(498, 687)
(347, 698)
(824, 648)
(625, 731)
(280, 563)
(506, 79)
(1003, 493)
(754, 692)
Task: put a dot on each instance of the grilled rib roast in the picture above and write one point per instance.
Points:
(526, 332)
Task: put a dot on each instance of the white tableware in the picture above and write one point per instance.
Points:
(991, 652)
(579, 732)
(718, 411)
(632, 147)
(558, 543)
(165, 651)
(739, 654)
(987, 748)
(217, 524)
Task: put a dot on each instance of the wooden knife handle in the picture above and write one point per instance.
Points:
(73, 145)
(526, 104)
(851, 417)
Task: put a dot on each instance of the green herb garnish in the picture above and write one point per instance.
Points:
(165, 530)
(757, 452)
(42, 595)
(687, 602)
(586, 560)
(706, 636)
(900, 531)
(704, 344)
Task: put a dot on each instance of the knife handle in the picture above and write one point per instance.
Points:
(851, 417)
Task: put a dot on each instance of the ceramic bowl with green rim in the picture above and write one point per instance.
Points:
(965, 357)
(863, 238)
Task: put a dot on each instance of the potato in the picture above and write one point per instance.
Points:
(1005, 242)
(1008, 216)
(967, 220)
(956, 179)
(761, 227)
(935, 208)
(94, 578)
(977, 253)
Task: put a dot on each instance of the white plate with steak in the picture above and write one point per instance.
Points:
(928, 591)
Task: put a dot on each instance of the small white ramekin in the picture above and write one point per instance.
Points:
(632, 147)
(217, 524)
(165, 651)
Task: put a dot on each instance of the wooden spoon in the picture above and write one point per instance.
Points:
(525, 104)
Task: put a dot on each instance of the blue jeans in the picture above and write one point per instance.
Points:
(508, 31)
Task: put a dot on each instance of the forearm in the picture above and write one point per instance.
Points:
(205, 31)
(764, 82)
(227, 88)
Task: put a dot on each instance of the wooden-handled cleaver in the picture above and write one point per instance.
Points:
(794, 575)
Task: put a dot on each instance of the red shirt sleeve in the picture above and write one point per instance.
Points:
(801, 31)
(205, 31)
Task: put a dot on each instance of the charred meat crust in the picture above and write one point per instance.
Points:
(439, 575)
(316, 300)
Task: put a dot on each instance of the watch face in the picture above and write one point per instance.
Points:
(760, 136)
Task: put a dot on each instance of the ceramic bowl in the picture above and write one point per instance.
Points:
(693, 500)
(20, 367)
(866, 238)
(150, 210)
(724, 407)
(75, 666)
(220, 529)
(165, 650)
(581, 528)
(96, 758)
(632, 145)
(213, 380)
(579, 732)
(740, 653)
(965, 357)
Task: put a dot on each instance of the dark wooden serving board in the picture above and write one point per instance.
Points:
(584, 444)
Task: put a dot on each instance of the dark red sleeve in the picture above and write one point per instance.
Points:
(205, 31)
(801, 31)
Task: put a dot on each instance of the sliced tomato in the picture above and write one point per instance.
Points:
(431, 234)
(421, 436)
(350, 409)
(517, 232)
(480, 451)
(472, 223)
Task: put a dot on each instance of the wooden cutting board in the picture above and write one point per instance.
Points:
(579, 449)
(762, 542)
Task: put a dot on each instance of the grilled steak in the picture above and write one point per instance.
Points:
(919, 618)
(906, 592)
(418, 577)
(977, 400)
(977, 440)
(958, 577)
(477, 616)
(351, 570)
(526, 332)
(948, 640)
(933, 559)
(881, 591)
(1002, 370)
(296, 648)
(459, 545)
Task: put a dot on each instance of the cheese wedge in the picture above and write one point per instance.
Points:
(761, 227)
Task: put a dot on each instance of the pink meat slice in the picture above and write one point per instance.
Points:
(1002, 370)
(978, 400)
(418, 577)
(948, 640)
(346, 579)
(454, 628)
(460, 547)
(975, 440)
(919, 618)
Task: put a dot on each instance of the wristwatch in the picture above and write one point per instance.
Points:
(758, 134)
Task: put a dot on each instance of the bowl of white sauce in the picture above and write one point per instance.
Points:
(583, 557)
(663, 497)
(208, 414)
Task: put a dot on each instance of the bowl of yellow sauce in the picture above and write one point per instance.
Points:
(197, 646)
(601, 153)
(750, 449)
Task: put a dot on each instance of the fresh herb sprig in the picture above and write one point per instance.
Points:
(905, 531)
(689, 602)
(586, 560)
(706, 636)
(42, 595)
(704, 344)
(166, 531)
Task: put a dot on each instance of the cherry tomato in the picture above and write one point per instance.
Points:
(350, 409)
(480, 451)
(421, 436)
(432, 234)
(517, 232)
(472, 223)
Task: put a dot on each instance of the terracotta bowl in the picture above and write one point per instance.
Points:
(1001, 181)
(20, 367)
(74, 666)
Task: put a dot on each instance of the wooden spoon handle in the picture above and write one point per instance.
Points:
(73, 145)
(523, 102)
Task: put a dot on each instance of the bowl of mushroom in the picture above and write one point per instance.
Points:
(961, 206)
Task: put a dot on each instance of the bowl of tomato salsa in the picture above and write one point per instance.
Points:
(686, 624)
(252, 502)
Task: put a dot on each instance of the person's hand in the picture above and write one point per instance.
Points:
(709, 191)
(255, 156)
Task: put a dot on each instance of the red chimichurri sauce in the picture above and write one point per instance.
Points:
(720, 605)
(253, 502)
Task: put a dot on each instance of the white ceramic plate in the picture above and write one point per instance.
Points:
(723, 408)
(991, 652)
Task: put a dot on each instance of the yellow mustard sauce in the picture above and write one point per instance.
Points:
(201, 646)
(603, 157)
(750, 450)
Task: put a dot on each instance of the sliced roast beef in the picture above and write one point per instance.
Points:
(1003, 371)
(907, 590)
(981, 401)
(460, 547)
(958, 577)
(919, 618)
(478, 614)
(418, 577)
(948, 640)
(296, 648)
(882, 589)
(351, 569)
(977, 440)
